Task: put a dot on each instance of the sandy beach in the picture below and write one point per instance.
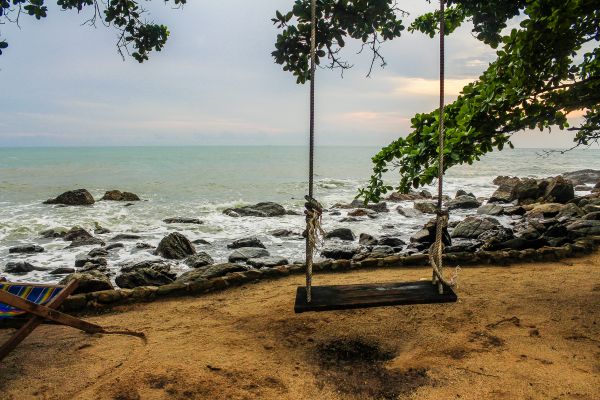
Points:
(528, 331)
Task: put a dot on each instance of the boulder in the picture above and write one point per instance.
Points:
(20, 268)
(200, 259)
(506, 191)
(583, 176)
(211, 271)
(143, 246)
(124, 236)
(409, 212)
(425, 207)
(54, 233)
(246, 242)
(593, 216)
(79, 197)
(426, 235)
(490, 209)
(145, 273)
(117, 195)
(341, 233)
(376, 207)
(473, 226)
(528, 190)
(245, 253)
(462, 192)
(559, 190)
(460, 245)
(381, 251)
(343, 252)
(99, 230)
(551, 210)
(62, 271)
(283, 233)
(514, 210)
(83, 259)
(267, 262)
(26, 249)
(195, 221)
(391, 241)
(264, 209)
(91, 281)
(584, 228)
(175, 246)
(506, 180)
(395, 196)
(362, 212)
(80, 237)
(92, 241)
(202, 242)
(464, 201)
(519, 243)
(113, 246)
(365, 239)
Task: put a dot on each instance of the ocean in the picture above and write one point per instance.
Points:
(200, 182)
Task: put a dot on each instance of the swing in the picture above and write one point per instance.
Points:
(341, 297)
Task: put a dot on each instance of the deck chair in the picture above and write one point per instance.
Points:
(28, 305)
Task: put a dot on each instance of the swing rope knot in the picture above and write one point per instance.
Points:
(314, 231)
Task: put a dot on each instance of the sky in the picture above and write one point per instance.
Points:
(215, 83)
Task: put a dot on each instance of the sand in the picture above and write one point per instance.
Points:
(529, 331)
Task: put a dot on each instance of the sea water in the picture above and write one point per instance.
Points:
(200, 182)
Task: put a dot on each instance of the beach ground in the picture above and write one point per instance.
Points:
(529, 331)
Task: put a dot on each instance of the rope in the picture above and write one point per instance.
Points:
(313, 213)
(437, 248)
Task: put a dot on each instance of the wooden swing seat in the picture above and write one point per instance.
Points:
(343, 297)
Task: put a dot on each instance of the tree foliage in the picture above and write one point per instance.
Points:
(137, 36)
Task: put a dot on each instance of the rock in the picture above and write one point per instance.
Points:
(83, 259)
(493, 237)
(62, 271)
(143, 246)
(376, 207)
(514, 210)
(551, 210)
(473, 226)
(146, 273)
(283, 233)
(349, 219)
(335, 212)
(582, 188)
(584, 228)
(506, 180)
(20, 268)
(340, 252)
(201, 259)
(559, 190)
(201, 241)
(583, 176)
(89, 241)
(183, 221)
(426, 235)
(460, 245)
(98, 252)
(79, 197)
(124, 236)
(99, 230)
(91, 281)
(464, 201)
(425, 207)
(570, 211)
(593, 216)
(590, 208)
(212, 271)
(381, 251)
(265, 209)
(391, 241)
(114, 246)
(26, 249)
(246, 242)
(367, 240)
(528, 190)
(175, 246)
(408, 212)
(268, 262)
(407, 196)
(341, 233)
(462, 192)
(490, 209)
(362, 212)
(245, 253)
(519, 243)
(116, 195)
(506, 191)
(292, 212)
(53, 233)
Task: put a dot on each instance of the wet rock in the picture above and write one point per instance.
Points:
(461, 202)
(83, 259)
(462, 192)
(341, 233)
(20, 268)
(99, 230)
(528, 190)
(340, 252)
(201, 259)
(212, 271)
(202, 242)
(146, 273)
(114, 246)
(582, 228)
(264, 209)
(292, 212)
(506, 191)
(376, 207)
(143, 246)
(425, 207)
(116, 195)
(514, 210)
(583, 188)
(426, 235)
(79, 197)
(362, 212)
(519, 243)
(54, 233)
(593, 216)
(551, 210)
(125, 236)
(473, 226)
(246, 242)
(26, 249)
(491, 209)
(590, 208)
(195, 221)
(349, 219)
(583, 176)
(91, 281)
(391, 241)
(283, 233)
(460, 245)
(367, 240)
(175, 246)
(98, 252)
(335, 212)
(381, 251)
(493, 237)
(245, 253)
(409, 212)
(80, 237)
(407, 196)
(559, 190)
(268, 262)
(62, 271)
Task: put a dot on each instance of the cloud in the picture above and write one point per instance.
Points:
(427, 87)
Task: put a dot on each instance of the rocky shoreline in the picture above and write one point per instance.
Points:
(524, 219)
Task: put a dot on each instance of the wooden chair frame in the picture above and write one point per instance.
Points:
(39, 314)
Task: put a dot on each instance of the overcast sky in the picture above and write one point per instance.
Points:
(215, 83)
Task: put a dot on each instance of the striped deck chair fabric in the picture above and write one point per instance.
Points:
(36, 294)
